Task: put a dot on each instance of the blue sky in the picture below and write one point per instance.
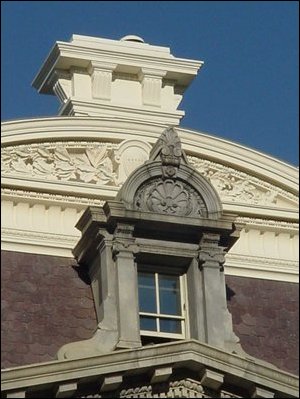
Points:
(247, 90)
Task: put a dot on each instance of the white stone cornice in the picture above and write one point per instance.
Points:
(262, 268)
(148, 113)
(38, 242)
(49, 198)
(62, 187)
(269, 225)
(64, 55)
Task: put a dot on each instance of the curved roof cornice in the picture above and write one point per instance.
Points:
(38, 130)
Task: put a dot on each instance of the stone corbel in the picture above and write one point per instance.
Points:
(151, 80)
(101, 79)
(16, 394)
(66, 390)
(211, 379)
(161, 374)
(261, 393)
(111, 383)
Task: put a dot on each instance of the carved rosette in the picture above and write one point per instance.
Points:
(171, 198)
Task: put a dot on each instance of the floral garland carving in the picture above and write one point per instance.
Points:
(89, 164)
(236, 186)
(95, 163)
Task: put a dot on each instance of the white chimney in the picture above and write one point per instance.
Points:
(124, 78)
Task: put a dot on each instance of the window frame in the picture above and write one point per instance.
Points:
(183, 317)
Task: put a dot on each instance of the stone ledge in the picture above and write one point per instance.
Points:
(190, 354)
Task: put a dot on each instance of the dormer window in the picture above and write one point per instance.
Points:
(162, 303)
(160, 242)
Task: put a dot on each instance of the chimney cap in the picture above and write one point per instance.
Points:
(132, 38)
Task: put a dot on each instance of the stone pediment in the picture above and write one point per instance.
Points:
(167, 184)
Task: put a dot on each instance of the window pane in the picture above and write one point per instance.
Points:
(148, 323)
(147, 301)
(170, 326)
(169, 295)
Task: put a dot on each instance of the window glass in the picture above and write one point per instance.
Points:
(170, 326)
(148, 323)
(169, 295)
(147, 298)
(160, 304)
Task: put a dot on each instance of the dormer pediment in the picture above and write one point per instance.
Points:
(167, 184)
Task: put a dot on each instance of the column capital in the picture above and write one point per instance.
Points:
(151, 73)
(210, 253)
(101, 66)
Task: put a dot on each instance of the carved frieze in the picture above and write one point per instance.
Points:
(170, 197)
(235, 186)
(85, 162)
(95, 163)
(109, 164)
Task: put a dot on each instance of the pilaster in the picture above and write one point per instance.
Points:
(211, 259)
(196, 302)
(101, 79)
(123, 250)
(151, 86)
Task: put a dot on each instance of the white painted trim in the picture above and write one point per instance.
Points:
(37, 242)
(262, 268)
(158, 315)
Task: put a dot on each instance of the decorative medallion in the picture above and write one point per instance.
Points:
(170, 197)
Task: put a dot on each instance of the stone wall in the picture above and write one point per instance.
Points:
(44, 306)
(265, 317)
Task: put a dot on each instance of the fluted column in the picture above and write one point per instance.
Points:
(101, 80)
(151, 86)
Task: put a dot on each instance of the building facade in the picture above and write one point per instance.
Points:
(141, 259)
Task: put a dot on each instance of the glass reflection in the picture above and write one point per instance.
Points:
(169, 295)
(170, 326)
(147, 323)
(146, 284)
